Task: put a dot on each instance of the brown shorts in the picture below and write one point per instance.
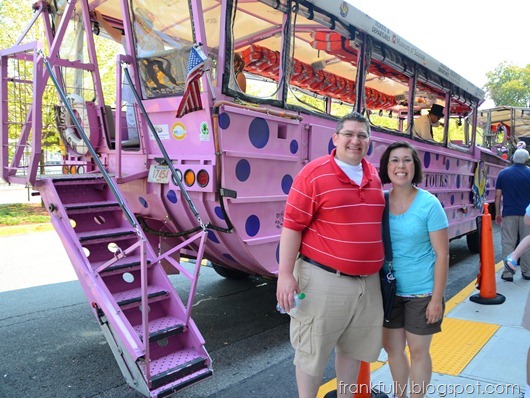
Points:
(338, 312)
(526, 314)
(409, 313)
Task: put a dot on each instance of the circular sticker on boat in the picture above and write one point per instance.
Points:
(178, 130)
(205, 132)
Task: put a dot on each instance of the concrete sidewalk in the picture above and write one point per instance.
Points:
(481, 350)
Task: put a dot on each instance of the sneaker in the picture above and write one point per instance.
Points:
(527, 277)
(510, 264)
(507, 276)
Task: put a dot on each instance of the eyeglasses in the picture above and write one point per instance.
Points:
(359, 136)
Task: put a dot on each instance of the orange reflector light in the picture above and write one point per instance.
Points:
(189, 177)
(203, 178)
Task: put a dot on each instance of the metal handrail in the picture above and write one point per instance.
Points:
(81, 131)
(167, 160)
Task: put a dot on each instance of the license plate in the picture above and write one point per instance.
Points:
(158, 174)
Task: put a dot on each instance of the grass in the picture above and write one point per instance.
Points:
(22, 214)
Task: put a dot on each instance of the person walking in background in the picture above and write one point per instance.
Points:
(513, 187)
(420, 248)
(331, 249)
(423, 125)
(511, 262)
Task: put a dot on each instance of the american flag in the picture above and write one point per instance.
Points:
(191, 100)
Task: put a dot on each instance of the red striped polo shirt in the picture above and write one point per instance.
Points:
(340, 220)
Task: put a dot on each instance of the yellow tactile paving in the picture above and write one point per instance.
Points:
(332, 384)
(457, 345)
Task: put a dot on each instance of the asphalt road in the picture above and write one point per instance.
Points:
(52, 346)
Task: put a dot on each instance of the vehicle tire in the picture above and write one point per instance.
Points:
(473, 241)
(229, 273)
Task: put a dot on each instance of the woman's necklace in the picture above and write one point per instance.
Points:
(400, 201)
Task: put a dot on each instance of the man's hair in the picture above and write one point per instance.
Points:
(383, 163)
(356, 117)
(520, 156)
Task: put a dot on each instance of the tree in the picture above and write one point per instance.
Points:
(14, 18)
(509, 85)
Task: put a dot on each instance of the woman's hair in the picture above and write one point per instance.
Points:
(239, 64)
(383, 163)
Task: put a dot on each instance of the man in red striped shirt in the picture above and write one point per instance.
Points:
(331, 249)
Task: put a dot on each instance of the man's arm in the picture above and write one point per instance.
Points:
(287, 286)
(498, 216)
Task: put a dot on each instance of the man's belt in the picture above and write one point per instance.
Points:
(329, 269)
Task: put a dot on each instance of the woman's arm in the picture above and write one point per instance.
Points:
(440, 244)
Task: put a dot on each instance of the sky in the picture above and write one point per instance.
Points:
(472, 37)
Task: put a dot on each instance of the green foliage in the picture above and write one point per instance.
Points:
(15, 16)
(23, 213)
(509, 85)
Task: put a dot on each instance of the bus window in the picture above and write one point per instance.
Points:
(386, 88)
(162, 47)
(258, 42)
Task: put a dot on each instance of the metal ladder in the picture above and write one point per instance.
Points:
(127, 287)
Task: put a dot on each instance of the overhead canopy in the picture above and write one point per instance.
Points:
(517, 119)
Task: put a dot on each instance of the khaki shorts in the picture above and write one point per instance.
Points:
(526, 314)
(338, 312)
(409, 313)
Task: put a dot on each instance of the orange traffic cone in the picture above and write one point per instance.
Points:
(486, 276)
(364, 385)
(363, 382)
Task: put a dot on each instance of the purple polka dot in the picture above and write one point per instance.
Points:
(212, 237)
(143, 202)
(287, 181)
(229, 257)
(452, 199)
(427, 160)
(219, 212)
(243, 170)
(252, 225)
(172, 196)
(278, 253)
(447, 164)
(224, 120)
(331, 146)
(258, 132)
(294, 146)
(370, 148)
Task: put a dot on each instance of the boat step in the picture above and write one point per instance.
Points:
(131, 297)
(172, 388)
(128, 263)
(102, 235)
(161, 328)
(175, 366)
(86, 207)
(76, 179)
